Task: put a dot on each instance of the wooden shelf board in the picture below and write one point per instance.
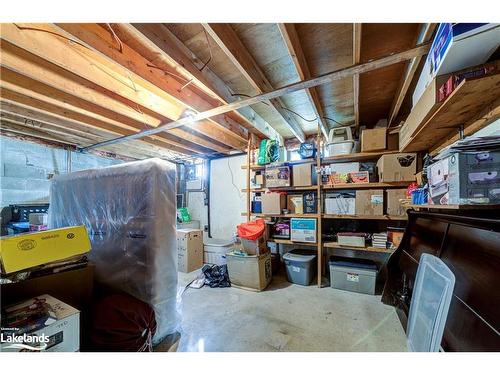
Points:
(283, 215)
(359, 156)
(365, 217)
(369, 185)
(285, 188)
(290, 242)
(257, 167)
(335, 245)
(464, 104)
(455, 206)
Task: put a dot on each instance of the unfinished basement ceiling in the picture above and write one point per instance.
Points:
(86, 83)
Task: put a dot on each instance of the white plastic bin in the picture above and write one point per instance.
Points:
(430, 303)
(215, 249)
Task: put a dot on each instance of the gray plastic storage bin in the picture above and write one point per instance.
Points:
(354, 275)
(300, 266)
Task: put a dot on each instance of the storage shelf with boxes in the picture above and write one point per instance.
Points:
(365, 187)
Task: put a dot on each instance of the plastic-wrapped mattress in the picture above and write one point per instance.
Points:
(130, 214)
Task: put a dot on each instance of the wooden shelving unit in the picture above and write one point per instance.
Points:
(335, 245)
(464, 104)
(318, 162)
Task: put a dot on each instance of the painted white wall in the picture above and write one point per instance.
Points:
(227, 201)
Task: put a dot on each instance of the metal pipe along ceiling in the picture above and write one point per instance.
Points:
(394, 58)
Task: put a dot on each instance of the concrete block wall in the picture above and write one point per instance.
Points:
(26, 169)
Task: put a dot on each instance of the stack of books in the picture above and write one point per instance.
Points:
(379, 240)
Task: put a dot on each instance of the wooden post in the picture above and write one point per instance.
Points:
(319, 207)
(249, 150)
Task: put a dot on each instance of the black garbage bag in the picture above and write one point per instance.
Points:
(216, 276)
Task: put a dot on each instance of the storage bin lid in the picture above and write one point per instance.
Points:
(217, 242)
(299, 255)
(353, 263)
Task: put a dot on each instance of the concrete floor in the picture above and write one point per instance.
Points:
(286, 317)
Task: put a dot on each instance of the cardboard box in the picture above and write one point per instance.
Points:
(418, 178)
(273, 203)
(303, 230)
(259, 179)
(254, 247)
(295, 203)
(277, 176)
(397, 167)
(28, 250)
(252, 272)
(370, 202)
(42, 323)
(362, 177)
(465, 178)
(393, 142)
(302, 174)
(394, 207)
(189, 249)
(341, 204)
(422, 111)
(373, 139)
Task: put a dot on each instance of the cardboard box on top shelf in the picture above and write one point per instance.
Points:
(189, 249)
(277, 176)
(303, 174)
(295, 203)
(373, 139)
(397, 167)
(370, 202)
(273, 203)
(394, 206)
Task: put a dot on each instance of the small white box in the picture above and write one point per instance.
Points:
(340, 206)
(51, 326)
(303, 230)
(355, 241)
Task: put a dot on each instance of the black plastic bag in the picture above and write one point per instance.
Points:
(216, 276)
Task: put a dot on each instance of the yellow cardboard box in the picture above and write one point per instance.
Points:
(33, 249)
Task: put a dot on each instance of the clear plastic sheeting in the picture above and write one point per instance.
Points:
(430, 303)
(130, 214)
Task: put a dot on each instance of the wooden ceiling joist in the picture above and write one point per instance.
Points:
(185, 62)
(379, 63)
(19, 124)
(16, 95)
(25, 86)
(356, 57)
(46, 82)
(48, 74)
(36, 119)
(221, 128)
(227, 39)
(61, 51)
(425, 34)
(291, 39)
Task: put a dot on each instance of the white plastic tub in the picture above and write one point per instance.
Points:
(340, 148)
(215, 249)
